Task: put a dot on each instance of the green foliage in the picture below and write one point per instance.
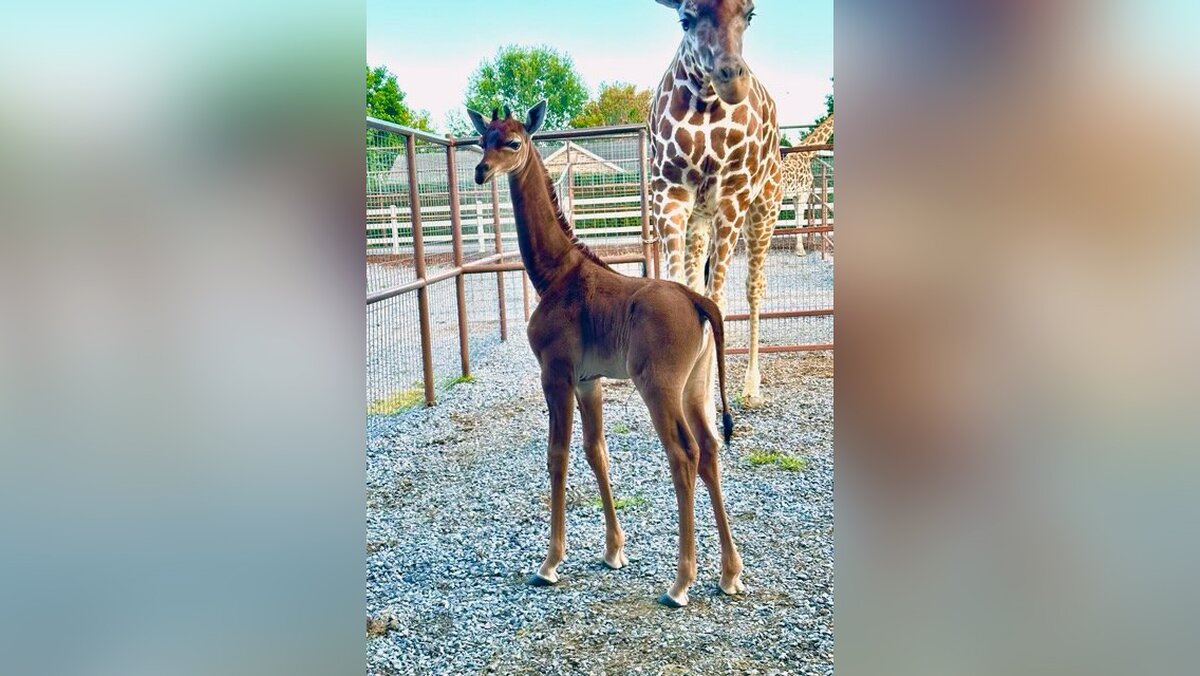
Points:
(451, 382)
(399, 402)
(786, 462)
(620, 428)
(616, 103)
(828, 111)
(519, 77)
(386, 101)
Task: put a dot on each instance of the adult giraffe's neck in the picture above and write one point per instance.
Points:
(548, 248)
(820, 133)
(687, 73)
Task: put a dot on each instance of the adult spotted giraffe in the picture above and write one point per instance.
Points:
(798, 175)
(715, 162)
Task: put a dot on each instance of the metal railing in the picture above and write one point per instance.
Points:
(407, 269)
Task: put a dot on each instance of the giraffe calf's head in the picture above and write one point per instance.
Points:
(505, 141)
(712, 36)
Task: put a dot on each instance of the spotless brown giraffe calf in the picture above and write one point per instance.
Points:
(592, 322)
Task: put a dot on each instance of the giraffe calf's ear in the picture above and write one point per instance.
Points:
(477, 121)
(537, 115)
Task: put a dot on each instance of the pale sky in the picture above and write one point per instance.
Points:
(434, 46)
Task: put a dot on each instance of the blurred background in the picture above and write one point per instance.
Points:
(1017, 323)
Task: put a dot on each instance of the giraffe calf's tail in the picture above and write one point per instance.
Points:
(709, 310)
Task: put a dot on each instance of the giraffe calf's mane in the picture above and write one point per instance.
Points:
(563, 223)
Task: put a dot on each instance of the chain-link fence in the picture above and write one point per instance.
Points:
(444, 277)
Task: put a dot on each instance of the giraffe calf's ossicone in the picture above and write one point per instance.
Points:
(592, 322)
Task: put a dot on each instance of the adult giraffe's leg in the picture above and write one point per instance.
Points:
(560, 397)
(591, 411)
(731, 218)
(696, 407)
(698, 239)
(672, 209)
(758, 241)
(800, 250)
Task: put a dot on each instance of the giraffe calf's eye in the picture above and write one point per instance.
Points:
(513, 144)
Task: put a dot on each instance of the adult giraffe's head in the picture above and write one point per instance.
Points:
(505, 140)
(712, 36)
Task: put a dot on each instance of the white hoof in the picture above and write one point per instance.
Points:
(733, 587)
(617, 561)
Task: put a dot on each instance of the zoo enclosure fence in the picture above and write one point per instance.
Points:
(428, 224)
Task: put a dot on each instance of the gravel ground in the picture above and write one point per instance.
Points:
(457, 518)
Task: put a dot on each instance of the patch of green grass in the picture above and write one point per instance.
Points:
(451, 382)
(737, 399)
(792, 464)
(786, 462)
(401, 401)
(620, 503)
(620, 428)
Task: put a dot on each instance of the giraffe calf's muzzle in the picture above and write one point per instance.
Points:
(483, 172)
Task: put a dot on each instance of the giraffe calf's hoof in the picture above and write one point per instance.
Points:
(536, 580)
(671, 602)
(617, 561)
(733, 587)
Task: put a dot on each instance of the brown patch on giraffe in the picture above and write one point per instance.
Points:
(677, 193)
(718, 141)
(664, 127)
(735, 138)
(717, 114)
(684, 139)
(752, 128)
(736, 156)
(698, 140)
(735, 182)
(671, 173)
(728, 209)
(740, 114)
(680, 102)
(659, 184)
(693, 176)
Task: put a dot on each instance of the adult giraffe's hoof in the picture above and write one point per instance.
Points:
(667, 600)
(617, 561)
(733, 586)
(537, 580)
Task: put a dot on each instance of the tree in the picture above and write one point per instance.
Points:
(519, 77)
(386, 101)
(828, 111)
(616, 103)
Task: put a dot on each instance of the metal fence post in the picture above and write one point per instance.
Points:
(824, 207)
(647, 251)
(499, 249)
(395, 230)
(414, 203)
(460, 284)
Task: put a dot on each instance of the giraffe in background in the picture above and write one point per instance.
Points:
(798, 174)
(715, 163)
